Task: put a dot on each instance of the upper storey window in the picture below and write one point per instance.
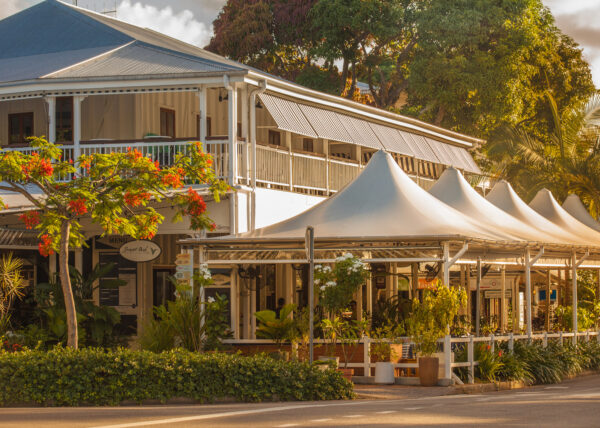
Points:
(64, 119)
(20, 126)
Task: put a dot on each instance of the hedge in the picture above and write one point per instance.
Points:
(91, 376)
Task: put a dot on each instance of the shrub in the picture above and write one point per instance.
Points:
(93, 376)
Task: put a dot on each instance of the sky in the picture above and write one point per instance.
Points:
(191, 20)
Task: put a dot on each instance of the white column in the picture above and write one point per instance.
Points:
(244, 120)
(77, 100)
(502, 298)
(235, 315)
(202, 111)
(574, 294)
(252, 310)
(51, 100)
(446, 264)
(232, 132)
(528, 291)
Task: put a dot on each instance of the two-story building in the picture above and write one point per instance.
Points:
(96, 84)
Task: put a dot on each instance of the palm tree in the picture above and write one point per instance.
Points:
(567, 162)
(11, 286)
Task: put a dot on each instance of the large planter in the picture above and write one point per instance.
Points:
(428, 370)
(384, 373)
(347, 373)
(334, 359)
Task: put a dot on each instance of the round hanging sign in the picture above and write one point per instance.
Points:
(140, 251)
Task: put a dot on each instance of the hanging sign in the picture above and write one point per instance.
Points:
(140, 251)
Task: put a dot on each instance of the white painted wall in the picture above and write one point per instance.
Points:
(273, 206)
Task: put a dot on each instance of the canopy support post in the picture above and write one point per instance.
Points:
(575, 264)
(478, 298)
(502, 298)
(449, 262)
(310, 255)
(529, 262)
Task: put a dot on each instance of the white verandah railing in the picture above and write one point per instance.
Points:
(448, 345)
(275, 167)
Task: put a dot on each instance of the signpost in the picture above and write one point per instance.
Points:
(310, 257)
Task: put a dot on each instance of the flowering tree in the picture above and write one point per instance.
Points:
(337, 285)
(114, 190)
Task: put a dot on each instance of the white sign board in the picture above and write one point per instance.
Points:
(140, 251)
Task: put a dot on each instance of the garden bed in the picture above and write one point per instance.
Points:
(66, 377)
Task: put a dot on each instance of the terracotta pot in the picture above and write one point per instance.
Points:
(395, 352)
(347, 373)
(428, 370)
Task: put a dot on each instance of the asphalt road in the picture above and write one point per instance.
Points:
(574, 403)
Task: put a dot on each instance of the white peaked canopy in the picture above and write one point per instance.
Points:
(382, 202)
(545, 204)
(575, 207)
(454, 190)
(504, 197)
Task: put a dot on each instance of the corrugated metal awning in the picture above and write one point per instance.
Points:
(392, 140)
(318, 122)
(453, 156)
(288, 116)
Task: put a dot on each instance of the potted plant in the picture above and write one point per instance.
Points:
(387, 351)
(336, 287)
(349, 334)
(429, 321)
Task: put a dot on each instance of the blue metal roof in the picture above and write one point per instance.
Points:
(52, 36)
(50, 27)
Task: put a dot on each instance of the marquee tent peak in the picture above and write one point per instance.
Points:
(575, 207)
(381, 202)
(453, 189)
(545, 204)
(504, 197)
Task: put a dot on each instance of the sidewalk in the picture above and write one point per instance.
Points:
(395, 392)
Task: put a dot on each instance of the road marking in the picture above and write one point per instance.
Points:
(485, 399)
(413, 408)
(228, 414)
(287, 425)
(386, 412)
(556, 387)
(322, 420)
(353, 416)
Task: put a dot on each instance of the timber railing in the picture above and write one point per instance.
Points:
(448, 347)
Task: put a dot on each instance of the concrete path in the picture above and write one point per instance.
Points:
(575, 403)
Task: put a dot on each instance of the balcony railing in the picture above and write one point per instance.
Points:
(275, 167)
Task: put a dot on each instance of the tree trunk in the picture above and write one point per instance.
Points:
(65, 282)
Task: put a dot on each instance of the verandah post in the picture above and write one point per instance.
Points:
(447, 357)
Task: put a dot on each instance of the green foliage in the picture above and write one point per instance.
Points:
(114, 190)
(382, 351)
(96, 322)
(67, 377)
(277, 328)
(390, 312)
(12, 284)
(346, 332)
(188, 322)
(585, 318)
(336, 286)
(431, 318)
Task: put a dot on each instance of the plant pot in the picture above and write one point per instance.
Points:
(395, 352)
(384, 373)
(334, 359)
(347, 373)
(428, 370)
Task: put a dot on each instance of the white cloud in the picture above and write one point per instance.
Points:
(10, 7)
(181, 25)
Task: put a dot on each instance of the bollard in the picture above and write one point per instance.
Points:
(511, 342)
(492, 343)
